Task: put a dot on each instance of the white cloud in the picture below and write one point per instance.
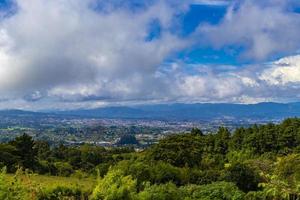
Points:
(273, 81)
(261, 28)
(283, 72)
(65, 49)
(63, 54)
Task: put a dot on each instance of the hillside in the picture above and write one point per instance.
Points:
(258, 162)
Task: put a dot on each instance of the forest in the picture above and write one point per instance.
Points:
(259, 162)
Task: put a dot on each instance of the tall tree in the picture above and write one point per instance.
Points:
(24, 145)
(222, 140)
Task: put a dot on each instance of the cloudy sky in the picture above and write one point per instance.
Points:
(66, 54)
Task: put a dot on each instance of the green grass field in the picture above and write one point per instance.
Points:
(44, 181)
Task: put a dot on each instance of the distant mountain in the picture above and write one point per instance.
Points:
(16, 112)
(199, 111)
(181, 112)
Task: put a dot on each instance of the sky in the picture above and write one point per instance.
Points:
(69, 54)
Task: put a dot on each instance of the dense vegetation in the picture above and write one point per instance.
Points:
(259, 162)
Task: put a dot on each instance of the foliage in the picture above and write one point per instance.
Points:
(214, 191)
(15, 189)
(127, 140)
(258, 162)
(178, 150)
(167, 191)
(196, 131)
(24, 150)
(115, 186)
(245, 178)
(63, 168)
(284, 183)
(62, 192)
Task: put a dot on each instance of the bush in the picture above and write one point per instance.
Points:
(63, 168)
(164, 173)
(167, 191)
(45, 167)
(155, 172)
(102, 169)
(243, 176)
(115, 186)
(200, 177)
(288, 168)
(214, 191)
(62, 192)
(79, 174)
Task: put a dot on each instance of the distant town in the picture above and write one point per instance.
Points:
(139, 133)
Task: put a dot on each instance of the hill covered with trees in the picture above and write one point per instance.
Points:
(259, 162)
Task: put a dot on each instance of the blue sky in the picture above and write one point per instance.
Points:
(70, 54)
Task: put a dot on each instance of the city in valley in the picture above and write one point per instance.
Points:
(76, 130)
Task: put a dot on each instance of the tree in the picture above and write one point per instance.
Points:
(168, 191)
(127, 140)
(216, 190)
(222, 140)
(42, 149)
(243, 176)
(196, 131)
(282, 182)
(179, 150)
(237, 139)
(24, 146)
(8, 157)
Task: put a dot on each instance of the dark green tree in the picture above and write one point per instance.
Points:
(237, 139)
(179, 150)
(42, 149)
(222, 139)
(8, 157)
(196, 131)
(24, 147)
(243, 176)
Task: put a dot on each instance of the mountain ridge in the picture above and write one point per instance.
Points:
(197, 111)
(179, 111)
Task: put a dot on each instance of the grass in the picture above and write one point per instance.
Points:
(44, 181)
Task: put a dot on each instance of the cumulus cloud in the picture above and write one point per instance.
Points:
(71, 54)
(283, 72)
(272, 81)
(70, 49)
(261, 28)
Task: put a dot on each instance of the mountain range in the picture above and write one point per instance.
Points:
(199, 111)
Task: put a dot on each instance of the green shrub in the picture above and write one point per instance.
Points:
(63, 168)
(115, 186)
(167, 191)
(164, 173)
(243, 176)
(102, 169)
(214, 191)
(62, 192)
(45, 167)
(201, 177)
(156, 172)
